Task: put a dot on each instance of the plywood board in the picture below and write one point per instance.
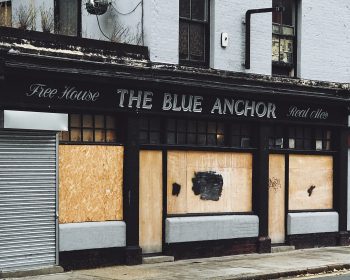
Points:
(90, 183)
(310, 182)
(197, 205)
(277, 198)
(242, 193)
(176, 174)
(151, 201)
(236, 172)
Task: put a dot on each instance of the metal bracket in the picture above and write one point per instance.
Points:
(247, 29)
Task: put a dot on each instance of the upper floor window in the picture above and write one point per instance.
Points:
(68, 17)
(5, 13)
(283, 38)
(193, 32)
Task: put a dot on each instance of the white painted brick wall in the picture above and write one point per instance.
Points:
(325, 40)
(46, 5)
(112, 21)
(227, 16)
(323, 45)
(161, 27)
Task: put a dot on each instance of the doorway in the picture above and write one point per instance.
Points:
(151, 201)
(277, 190)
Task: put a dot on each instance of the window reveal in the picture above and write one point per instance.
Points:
(193, 29)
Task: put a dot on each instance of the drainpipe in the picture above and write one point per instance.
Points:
(247, 29)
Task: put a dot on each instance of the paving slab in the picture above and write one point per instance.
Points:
(253, 266)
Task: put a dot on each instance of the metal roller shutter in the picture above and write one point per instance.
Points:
(28, 167)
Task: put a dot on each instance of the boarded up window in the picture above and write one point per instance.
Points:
(90, 183)
(5, 14)
(200, 182)
(310, 182)
(68, 12)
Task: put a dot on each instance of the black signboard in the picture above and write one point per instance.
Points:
(68, 95)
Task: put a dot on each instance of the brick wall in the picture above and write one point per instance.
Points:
(161, 28)
(227, 16)
(325, 40)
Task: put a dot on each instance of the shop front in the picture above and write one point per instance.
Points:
(189, 166)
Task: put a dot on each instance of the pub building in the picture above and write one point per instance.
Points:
(107, 157)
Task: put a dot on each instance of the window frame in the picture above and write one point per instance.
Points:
(305, 135)
(57, 17)
(190, 136)
(118, 129)
(6, 4)
(206, 24)
(280, 65)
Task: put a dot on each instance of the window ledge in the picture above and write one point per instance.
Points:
(283, 64)
(62, 44)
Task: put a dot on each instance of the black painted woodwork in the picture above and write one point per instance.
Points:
(344, 238)
(340, 186)
(93, 258)
(133, 255)
(261, 179)
(302, 241)
(131, 191)
(214, 248)
(264, 245)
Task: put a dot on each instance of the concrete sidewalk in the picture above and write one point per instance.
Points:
(254, 266)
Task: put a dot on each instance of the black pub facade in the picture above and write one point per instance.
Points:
(159, 159)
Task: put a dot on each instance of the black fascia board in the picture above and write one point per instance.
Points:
(108, 73)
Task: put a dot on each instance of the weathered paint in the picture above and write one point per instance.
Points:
(186, 229)
(93, 235)
(312, 222)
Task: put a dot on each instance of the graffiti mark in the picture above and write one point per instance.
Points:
(208, 185)
(176, 189)
(275, 184)
(310, 190)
